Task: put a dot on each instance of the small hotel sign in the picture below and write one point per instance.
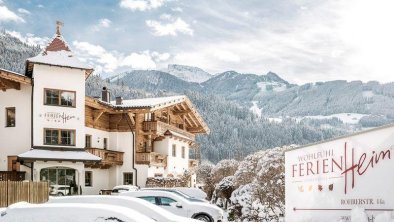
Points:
(325, 181)
(57, 117)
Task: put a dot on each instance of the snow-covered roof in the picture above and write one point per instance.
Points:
(58, 53)
(179, 135)
(59, 58)
(44, 154)
(150, 102)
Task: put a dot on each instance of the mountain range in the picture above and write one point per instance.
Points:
(246, 112)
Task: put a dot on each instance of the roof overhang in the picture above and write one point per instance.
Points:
(30, 66)
(57, 154)
(12, 80)
(114, 109)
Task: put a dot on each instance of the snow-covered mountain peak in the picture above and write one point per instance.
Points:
(188, 73)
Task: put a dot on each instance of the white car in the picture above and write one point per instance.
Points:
(123, 188)
(178, 192)
(156, 213)
(179, 205)
(59, 190)
(25, 212)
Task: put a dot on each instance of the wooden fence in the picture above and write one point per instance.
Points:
(28, 191)
(12, 175)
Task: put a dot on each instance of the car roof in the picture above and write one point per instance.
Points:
(145, 207)
(125, 186)
(64, 211)
(145, 193)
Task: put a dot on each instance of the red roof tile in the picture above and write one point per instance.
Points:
(57, 44)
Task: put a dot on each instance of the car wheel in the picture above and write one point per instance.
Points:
(60, 194)
(203, 217)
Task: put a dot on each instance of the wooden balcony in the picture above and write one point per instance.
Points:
(193, 164)
(152, 158)
(108, 158)
(12, 175)
(161, 127)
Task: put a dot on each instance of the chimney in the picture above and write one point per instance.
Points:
(119, 100)
(105, 95)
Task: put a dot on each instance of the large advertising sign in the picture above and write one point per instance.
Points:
(325, 181)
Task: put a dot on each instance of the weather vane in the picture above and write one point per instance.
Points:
(59, 24)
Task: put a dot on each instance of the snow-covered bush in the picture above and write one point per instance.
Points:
(260, 193)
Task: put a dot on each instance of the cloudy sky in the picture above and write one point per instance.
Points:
(302, 41)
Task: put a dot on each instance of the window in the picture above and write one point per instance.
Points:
(149, 199)
(165, 201)
(183, 152)
(59, 137)
(56, 97)
(88, 141)
(105, 143)
(127, 178)
(10, 116)
(173, 150)
(88, 179)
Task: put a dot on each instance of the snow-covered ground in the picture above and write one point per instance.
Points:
(349, 118)
(255, 109)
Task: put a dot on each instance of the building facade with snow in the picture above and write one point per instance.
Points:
(51, 131)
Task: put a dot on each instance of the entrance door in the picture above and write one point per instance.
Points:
(62, 180)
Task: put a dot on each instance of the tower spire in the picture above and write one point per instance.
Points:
(59, 24)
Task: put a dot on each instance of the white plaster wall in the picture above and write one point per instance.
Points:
(175, 165)
(15, 140)
(117, 141)
(98, 138)
(100, 181)
(58, 78)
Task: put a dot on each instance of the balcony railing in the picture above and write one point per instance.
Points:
(12, 175)
(193, 163)
(152, 158)
(108, 157)
(161, 127)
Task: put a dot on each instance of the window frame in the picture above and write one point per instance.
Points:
(86, 141)
(124, 178)
(173, 150)
(60, 91)
(59, 135)
(7, 109)
(183, 152)
(90, 178)
(105, 143)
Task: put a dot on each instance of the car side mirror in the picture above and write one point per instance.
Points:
(178, 205)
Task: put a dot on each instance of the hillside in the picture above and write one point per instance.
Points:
(13, 53)
(246, 112)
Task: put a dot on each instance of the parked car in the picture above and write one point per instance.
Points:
(193, 192)
(179, 205)
(123, 188)
(152, 211)
(25, 212)
(59, 190)
(178, 192)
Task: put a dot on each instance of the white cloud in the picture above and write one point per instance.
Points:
(6, 15)
(105, 23)
(40, 6)
(113, 61)
(141, 5)
(139, 61)
(171, 28)
(29, 38)
(177, 9)
(102, 23)
(96, 54)
(23, 11)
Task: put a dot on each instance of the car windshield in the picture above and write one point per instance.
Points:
(179, 193)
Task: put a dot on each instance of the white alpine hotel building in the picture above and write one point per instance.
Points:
(50, 131)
